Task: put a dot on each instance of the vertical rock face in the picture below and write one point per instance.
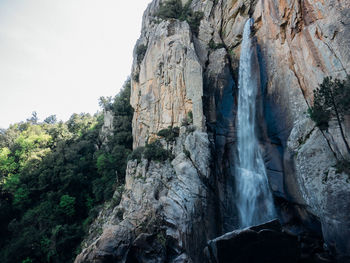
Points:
(169, 83)
(170, 209)
(164, 212)
(301, 43)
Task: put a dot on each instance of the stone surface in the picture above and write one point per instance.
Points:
(107, 127)
(269, 243)
(170, 82)
(265, 243)
(298, 43)
(164, 213)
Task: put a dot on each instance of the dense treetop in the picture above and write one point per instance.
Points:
(54, 177)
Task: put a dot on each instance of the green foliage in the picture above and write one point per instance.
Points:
(174, 9)
(188, 120)
(34, 118)
(331, 100)
(106, 103)
(53, 178)
(66, 205)
(190, 117)
(320, 115)
(20, 198)
(155, 151)
(140, 52)
(214, 46)
(78, 124)
(152, 151)
(52, 119)
(170, 9)
(137, 154)
(231, 52)
(170, 134)
(136, 77)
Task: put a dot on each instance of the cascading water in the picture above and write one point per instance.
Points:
(254, 199)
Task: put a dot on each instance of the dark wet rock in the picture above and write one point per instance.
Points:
(269, 243)
(263, 243)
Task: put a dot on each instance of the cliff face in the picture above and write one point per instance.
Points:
(170, 209)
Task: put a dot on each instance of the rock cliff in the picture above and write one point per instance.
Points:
(169, 210)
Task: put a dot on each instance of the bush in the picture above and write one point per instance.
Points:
(170, 9)
(174, 9)
(194, 20)
(136, 76)
(170, 134)
(140, 53)
(214, 46)
(188, 120)
(136, 154)
(152, 151)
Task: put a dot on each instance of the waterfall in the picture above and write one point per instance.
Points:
(254, 199)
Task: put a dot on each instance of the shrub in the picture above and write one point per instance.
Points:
(194, 20)
(136, 76)
(214, 46)
(174, 9)
(170, 9)
(188, 120)
(136, 154)
(154, 151)
(169, 134)
(190, 116)
(140, 53)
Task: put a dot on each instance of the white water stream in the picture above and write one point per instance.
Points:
(254, 199)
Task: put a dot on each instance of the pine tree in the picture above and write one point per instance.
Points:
(331, 100)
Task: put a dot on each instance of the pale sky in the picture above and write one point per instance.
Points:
(59, 56)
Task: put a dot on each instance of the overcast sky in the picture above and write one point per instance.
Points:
(59, 57)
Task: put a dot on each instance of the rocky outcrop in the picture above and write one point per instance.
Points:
(169, 210)
(107, 127)
(165, 210)
(169, 82)
(266, 243)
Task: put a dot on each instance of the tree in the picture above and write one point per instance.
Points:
(52, 119)
(105, 102)
(66, 205)
(173, 9)
(331, 100)
(53, 180)
(170, 9)
(34, 118)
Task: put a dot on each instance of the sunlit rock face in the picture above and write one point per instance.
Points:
(170, 83)
(183, 203)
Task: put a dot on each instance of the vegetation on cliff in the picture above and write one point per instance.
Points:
(53, 178)
(175, 9)
(331, 101)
